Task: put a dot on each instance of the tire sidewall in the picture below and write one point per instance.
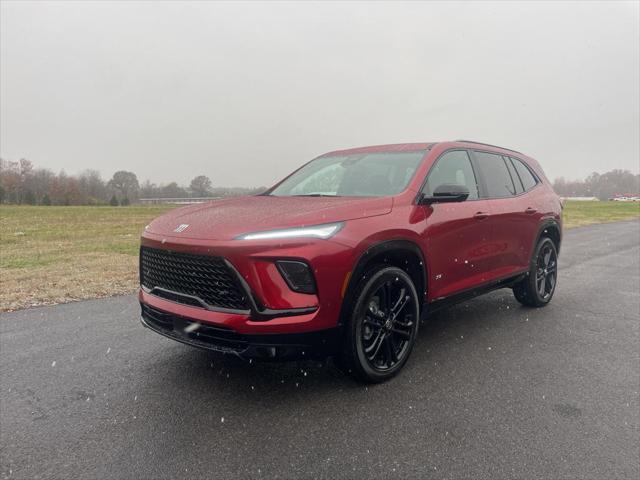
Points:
(533, 290)
(355, 324)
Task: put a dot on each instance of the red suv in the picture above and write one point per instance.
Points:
(344, 256)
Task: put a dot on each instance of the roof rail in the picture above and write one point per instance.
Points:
(489, 145)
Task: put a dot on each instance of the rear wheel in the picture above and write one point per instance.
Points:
(538, 287)
(383, 326)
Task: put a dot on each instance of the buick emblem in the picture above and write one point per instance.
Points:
(181, 228)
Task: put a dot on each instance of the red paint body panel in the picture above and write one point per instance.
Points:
(461, 251)
(226, 219)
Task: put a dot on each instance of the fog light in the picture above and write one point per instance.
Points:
(297, 275)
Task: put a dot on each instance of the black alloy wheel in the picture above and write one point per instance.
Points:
(546, 271)
(538, 287)
(384, 324)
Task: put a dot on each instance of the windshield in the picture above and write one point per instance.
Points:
(363, 174)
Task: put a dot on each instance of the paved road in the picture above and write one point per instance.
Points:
(493, 390)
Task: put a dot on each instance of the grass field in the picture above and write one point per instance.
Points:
(579, 214)
(52, 255)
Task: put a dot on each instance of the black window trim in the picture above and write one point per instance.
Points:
(533, 174)
(482, 181)
(509, 161)
(435, 162)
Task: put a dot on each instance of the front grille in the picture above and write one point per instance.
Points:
(188, 278)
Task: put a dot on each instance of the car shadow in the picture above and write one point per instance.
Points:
(210, 394)
(442, 330)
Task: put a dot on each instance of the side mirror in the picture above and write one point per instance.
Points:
(447, 193)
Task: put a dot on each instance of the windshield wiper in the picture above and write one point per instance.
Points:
(315, 195)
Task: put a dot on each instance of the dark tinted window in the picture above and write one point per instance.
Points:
(453, 167)
(514, 176)
(496, 175)
(528, 180)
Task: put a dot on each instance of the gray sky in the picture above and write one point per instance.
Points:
(246, 92)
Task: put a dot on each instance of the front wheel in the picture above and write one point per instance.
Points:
(383, 326)
(538, 287)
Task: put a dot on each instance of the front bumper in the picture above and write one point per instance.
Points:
(273, 307)
(318, 344)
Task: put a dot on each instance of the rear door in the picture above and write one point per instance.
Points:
(456, 235)
(530, 209)
(512, 222)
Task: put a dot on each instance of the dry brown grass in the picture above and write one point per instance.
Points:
(51, 255)
(91, 276)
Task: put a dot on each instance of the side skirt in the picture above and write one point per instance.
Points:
(474, 292)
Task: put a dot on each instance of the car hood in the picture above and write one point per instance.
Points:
(228, 218)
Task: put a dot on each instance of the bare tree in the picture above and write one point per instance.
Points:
(148, 189)
(10, 180)
(21, 182)
(603, 186)
(92, 186)
(172, 190)
(40, 183)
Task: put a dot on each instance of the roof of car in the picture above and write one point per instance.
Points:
(397, 147)
(487, 145)
(412, 147)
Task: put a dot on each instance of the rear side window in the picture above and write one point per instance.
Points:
(528, 180)
(453, 167)
(514, 176)
(496, 175)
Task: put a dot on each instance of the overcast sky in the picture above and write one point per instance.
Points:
(246, 92)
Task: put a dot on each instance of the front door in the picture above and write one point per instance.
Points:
(456, 236)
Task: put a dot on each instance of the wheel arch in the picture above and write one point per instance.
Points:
(549, 228)
(404, 254)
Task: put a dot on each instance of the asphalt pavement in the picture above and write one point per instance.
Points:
(492, 390)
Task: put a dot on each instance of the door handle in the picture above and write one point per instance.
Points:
(530, 210)
(480, 215)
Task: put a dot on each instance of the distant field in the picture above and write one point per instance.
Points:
(52, 255)
(578, 214)
(59, 254)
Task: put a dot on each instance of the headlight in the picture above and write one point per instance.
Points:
(325, 231)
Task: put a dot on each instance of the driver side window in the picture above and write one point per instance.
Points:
(453, 167)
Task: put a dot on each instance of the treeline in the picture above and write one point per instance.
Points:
(603, 186)
(22, 183)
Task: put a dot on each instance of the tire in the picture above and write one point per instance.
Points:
(382, 326)
(538, 287)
